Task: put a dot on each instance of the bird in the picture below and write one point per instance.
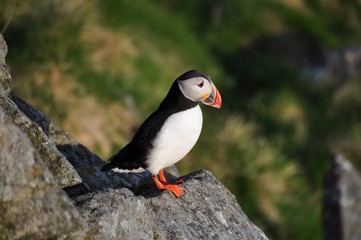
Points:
(170, 132)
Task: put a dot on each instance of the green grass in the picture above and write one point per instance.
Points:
(165, 30)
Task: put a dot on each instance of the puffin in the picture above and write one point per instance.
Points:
(170, 132)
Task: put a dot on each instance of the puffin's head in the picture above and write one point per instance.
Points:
(199, 87)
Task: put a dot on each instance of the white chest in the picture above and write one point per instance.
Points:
(175, 139)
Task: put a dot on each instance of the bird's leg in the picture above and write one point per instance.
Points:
(174, 188)
(162, 177)
(164, 180)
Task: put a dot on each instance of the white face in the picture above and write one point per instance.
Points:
(195, 89)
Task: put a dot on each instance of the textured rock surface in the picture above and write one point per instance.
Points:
(62, 170)
(343, 64)
(31, 204)
(5, 77)
(206, 211)
(342, 201)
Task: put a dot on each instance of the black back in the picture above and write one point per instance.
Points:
(134, 155)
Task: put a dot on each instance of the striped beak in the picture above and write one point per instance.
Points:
(213, 99)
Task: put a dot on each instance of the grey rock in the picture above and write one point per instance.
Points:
(340, 65)
(310, 58)
(344, 64)
(207, 210)
(31, 204)
(5, 77)
(342, 201)
(62, 170)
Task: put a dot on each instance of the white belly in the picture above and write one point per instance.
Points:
(175, 139)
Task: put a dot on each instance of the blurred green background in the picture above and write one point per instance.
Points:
(288, 72)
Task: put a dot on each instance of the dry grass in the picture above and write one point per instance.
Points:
(95, 124)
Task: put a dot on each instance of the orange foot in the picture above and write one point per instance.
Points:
(163, 184)
(164, 180)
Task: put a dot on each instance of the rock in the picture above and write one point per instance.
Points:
(62, 170)
(207, 210)
(5, 76)
(344, 64)
(308, 56)
(342, 201)
(340, 65)
(31, 204)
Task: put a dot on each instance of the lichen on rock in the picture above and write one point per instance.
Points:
(5, 76)
(32, 205)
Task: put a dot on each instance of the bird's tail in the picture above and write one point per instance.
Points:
(110, 165)
(107, 167)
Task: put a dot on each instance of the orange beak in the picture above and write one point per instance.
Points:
(213, 99)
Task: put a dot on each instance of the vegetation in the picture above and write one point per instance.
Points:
(98, 68)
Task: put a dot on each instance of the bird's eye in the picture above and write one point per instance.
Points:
(200, 84)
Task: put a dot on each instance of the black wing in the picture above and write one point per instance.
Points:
(134, 155)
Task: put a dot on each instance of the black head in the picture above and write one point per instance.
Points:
(198, 87)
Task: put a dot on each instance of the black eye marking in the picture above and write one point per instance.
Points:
(200, 84)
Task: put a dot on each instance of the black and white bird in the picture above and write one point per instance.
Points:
(169, 133)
